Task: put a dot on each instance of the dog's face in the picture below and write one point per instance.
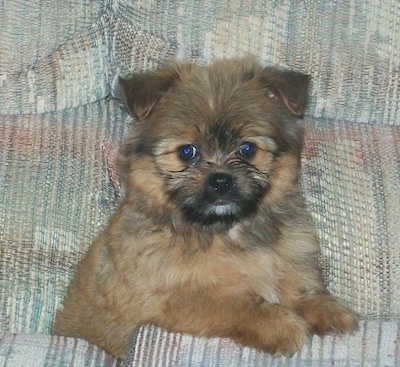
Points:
(214, 139)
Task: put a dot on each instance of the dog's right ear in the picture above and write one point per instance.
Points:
(142, 91)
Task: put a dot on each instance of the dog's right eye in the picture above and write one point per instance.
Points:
(187, 152)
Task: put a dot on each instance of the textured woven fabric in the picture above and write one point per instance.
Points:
(19, 350)
(60, 55)
(351, 48)
(60, 185)
(56, 193)
(53, 54)
(59, 134)
(376, 344)
(350, 179)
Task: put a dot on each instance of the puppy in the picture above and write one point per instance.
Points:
(212, 237)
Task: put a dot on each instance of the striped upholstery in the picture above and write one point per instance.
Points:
(351, 47)
(376, 344)
(56, 195)
(60, 128)
(46, 351)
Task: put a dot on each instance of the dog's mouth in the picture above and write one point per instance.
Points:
(221, 203)
(222, 208)
(221, 212)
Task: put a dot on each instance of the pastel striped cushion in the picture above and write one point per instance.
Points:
(20, 350)
(376, 344)
(61, 185)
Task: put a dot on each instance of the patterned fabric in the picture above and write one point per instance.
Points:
(61, 55)
(57, 191)
(53, 54)
(64, 174)
(350, 48)
(19, 350)
(60, 131)
(376, 344)
(351, 181)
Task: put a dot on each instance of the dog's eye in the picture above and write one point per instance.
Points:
(247, 150)
(187, 152)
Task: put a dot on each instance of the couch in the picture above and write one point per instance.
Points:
(61, 122)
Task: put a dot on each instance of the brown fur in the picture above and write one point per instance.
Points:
(249, 272)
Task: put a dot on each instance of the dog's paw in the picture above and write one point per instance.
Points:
(290, 334)
(327, 315)
(277, 330)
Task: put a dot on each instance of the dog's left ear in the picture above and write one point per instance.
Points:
(142, 91)
(289, 87)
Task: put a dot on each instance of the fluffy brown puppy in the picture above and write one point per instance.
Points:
(212, 237)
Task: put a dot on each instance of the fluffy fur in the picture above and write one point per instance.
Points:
(212, 237)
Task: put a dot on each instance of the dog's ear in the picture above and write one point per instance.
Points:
(142, 91)
(289, 87)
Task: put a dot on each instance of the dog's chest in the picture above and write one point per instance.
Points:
(245, 271)
(221, 269)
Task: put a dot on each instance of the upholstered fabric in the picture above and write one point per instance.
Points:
(376, 344)
(58, 55)
(61, 123)
(58, 189)
(350, 179)
(350, 48)
(53, 54)
(20, 350)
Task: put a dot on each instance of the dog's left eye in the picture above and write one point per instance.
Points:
(187, 152)
(247, 150)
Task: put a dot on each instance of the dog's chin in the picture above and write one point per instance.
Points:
(216, 215)
(221, 210)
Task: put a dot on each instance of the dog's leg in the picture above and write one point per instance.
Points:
(98, 327)
(323, 312)
(265, 326)
(326, 314)
(273, 328)
(98, 308)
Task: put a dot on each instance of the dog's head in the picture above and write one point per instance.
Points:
(215, 143)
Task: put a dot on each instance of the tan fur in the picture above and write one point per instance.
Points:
(250, 274)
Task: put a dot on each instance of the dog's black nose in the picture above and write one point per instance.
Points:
(220, 183)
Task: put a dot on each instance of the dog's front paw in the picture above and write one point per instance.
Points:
(277, 330)
(327, 315)
(290, 332)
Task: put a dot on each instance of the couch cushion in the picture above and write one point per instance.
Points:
(376, 344)
(18, 350)
(60, 185)
(351, 181)
(57, 191)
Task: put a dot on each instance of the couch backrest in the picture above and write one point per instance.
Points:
(56, 55)
(53, 55)
(351, 48)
